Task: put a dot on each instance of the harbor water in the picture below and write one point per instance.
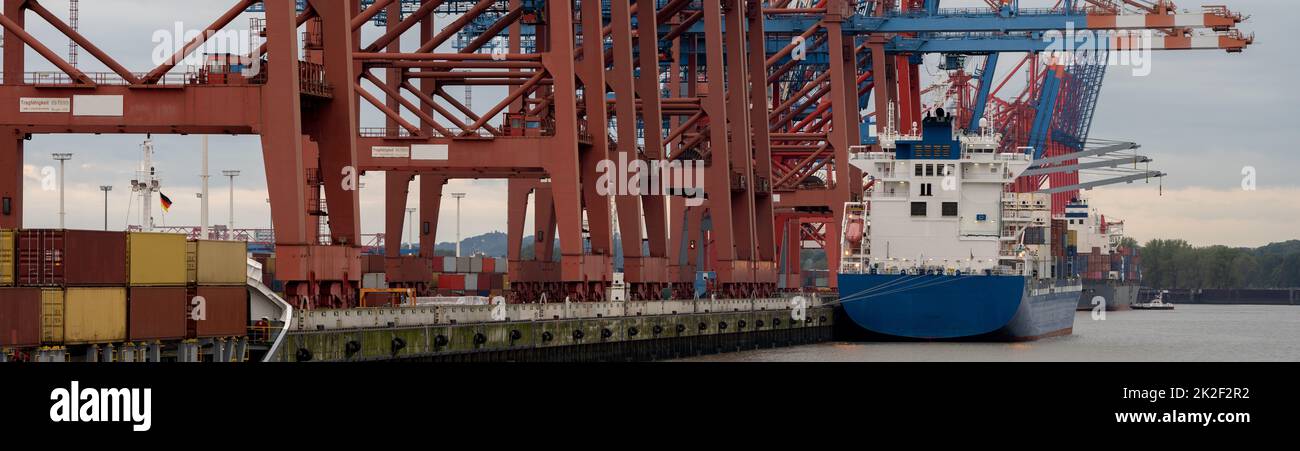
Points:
(1189, 333)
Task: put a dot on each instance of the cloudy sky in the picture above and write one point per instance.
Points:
(1203, 116)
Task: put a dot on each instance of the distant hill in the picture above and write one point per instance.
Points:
(493, 244)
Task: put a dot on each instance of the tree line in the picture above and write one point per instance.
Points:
(1178, 264)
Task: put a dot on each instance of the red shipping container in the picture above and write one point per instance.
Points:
(225, 312)
(372, 263)
(451, 282)
(156, 313)
(20, 316)
(489, 264)
(48, 257)
(408, 269)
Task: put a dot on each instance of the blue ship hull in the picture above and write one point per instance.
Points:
(947, 307)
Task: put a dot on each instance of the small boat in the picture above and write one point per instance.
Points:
(1156, 304)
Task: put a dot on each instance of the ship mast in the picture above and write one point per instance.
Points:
(145, 184)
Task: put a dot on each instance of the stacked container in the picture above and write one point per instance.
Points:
(159, 270)
(482, 276)
(70, 288)
(217, 289)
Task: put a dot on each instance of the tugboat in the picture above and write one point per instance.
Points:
(940, 250)
(1156, 304)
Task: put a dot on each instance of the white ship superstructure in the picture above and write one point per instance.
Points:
(936, 203)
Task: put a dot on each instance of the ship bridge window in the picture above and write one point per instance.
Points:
(929, 170)
(950, 209)
(918, 170)
(918, 208)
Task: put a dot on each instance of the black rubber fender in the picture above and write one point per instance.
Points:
(440, 340)
(303, 355)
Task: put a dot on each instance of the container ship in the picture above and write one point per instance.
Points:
(1108, 267)
(940, 250)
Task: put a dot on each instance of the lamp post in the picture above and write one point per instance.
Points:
(232, 175)
(458, 197)
(203, 195)
(105, 189)
(62, 158)
(410, 225)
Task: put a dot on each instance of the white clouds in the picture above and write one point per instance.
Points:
(1203, 216)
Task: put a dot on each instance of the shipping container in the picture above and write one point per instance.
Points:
(500, 265)
(1035, 235)
(496, 281)
(94, 315)
(462, 264)
(52, 258)
(20, 317)
(451, 282)
(374, 280)
(8, 255)
(156, 313)
(156, 259)
(224, 311)
(476, 264)
(216, 262)
(372, 263)
(471, 282)
(408, 269)
(489, 265)
(448, 264)
(52, 315)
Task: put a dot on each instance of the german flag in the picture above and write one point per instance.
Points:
(166, 202)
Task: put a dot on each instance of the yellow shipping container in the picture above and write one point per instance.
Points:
(52, 316)
(1074, 238)
(217, 262)
(156, 259)
(94, 315)
(7, 257)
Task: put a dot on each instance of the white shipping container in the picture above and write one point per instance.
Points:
(471, 282)
(500, 265)
(374, 280)
(476, 264)
(448, 264)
